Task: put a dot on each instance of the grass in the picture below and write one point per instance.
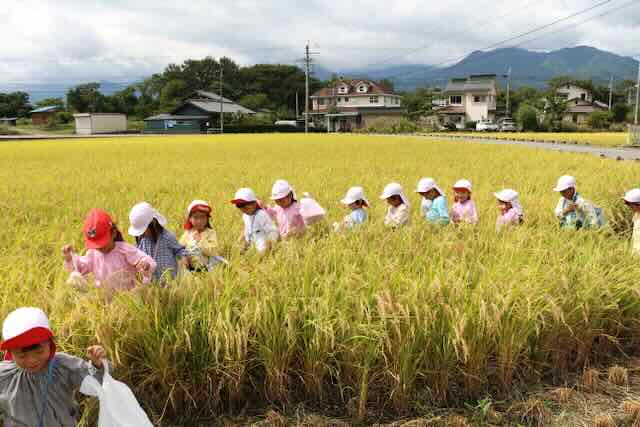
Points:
(604, 139)
(374, 323)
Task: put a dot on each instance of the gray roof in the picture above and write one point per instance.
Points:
(214, 107)
(209, 95)
(47, 109)
(470, 85)
(8, 119)
(172, 117)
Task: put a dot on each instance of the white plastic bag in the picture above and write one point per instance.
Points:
(118, 405)
(76, 280)
(311, 210)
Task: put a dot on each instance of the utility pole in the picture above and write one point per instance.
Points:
(508, 93)
(221, 102)
(610, 92)
(307, 71)
(637, 96)
(297, 109)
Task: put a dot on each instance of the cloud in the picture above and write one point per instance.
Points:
(71, 40)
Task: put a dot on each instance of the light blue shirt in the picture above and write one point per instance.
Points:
(357, 217)
(436, 211)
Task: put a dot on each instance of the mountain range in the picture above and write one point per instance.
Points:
(529, 68)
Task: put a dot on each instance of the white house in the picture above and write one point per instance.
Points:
(96, 123)
(580, 104)
(355, 104)
(469, 99)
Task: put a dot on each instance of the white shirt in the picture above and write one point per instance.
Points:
(636, 234)
(397, 216)
(259, 229)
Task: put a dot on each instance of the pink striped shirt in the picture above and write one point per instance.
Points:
(289, 220)
(464, 212)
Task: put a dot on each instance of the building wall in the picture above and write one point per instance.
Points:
(356, 101)
(83, 125)
(179, 126)
(573, 92)
(108, 123)
(476, 110)
(41, 118)
(373, 119)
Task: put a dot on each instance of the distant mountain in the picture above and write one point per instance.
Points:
(529, 68)
(39, 91)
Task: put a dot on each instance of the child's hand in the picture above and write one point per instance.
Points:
(184, 262)
(67, 253)
(143, 266)
(95, 354)
(197, 237)
(570, 208)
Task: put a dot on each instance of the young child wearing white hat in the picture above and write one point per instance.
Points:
(37, 384)
(632, 199)
(357, 202)
(199, 238)
(573, 210)
(511, 212)
(398, 213)
(259, 229)
(147, 226)
(286, 213)
(464, 209)
(434, 202)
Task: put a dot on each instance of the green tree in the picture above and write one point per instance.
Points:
(527, 117)
(14, 104)
(555, 109)
(58, 102)
(599, 120)
(255, 101)
(86, 98)
(619, 112)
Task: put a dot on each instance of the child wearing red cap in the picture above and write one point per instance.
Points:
(113, 262)
(37, 384)
(199, 238)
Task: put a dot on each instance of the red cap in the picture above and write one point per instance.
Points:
(199, 207)
(97, 229)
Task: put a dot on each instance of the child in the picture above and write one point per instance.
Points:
(259, 229)
(286, 213)
(573, 211)
(113, 262)
(632, 199)
(511, 212)
(147, 226)
(357, 202)
(434, 203)
(199, 239)
(37, 384)
(398, 213)
(464, 209)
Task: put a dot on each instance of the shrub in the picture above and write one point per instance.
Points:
(599, 120)
(528, 118)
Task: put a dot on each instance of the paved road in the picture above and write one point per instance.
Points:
(604, 152)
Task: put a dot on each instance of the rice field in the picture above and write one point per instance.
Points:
(604, 139)
(369, 323)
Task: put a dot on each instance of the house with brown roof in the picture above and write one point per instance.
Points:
(469, 99)
(347, 105)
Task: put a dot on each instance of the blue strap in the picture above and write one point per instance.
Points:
(45, 393)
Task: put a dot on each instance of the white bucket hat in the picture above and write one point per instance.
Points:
(463, 184)
(141, 216)
(244, 195)
(510, 196)
(197, 203)
(281, 189)
(394, 189)
(565, 182)
(427, 184)
(632, 196)
(353, 195)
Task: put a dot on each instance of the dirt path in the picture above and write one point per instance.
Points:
(605, 152)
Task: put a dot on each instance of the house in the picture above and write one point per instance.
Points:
(100, 123)
(468, 99)
(196, 114)
(355, 104)
(579, 104)
(44, 115)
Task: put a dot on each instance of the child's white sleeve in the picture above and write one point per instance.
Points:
(559, 211)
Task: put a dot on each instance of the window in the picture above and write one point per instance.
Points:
(321, 101)
(339, 99)
(362, 88)
(583, 96)
(456, 99)
(346, 99)
(373, 100)
(479, 99)
(342, 89)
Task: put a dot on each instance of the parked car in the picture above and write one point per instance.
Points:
(486, 126)
(507, 125)
(291, 123)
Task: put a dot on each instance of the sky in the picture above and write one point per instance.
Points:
(63, 41)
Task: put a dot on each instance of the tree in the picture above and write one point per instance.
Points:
(14, 104)
(599, 120)
(58, 102)
(619, 112)
(527, 117)
(555, 109)
(85, 98)
(419, 101)
(255, 102)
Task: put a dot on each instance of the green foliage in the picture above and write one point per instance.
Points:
(420, 101)
(85, 98)
(58, 102)
(619, 112)
(599, 120)
(527, 116)
(14, 104)
(256, 101)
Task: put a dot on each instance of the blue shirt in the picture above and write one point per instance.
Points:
(164, 253)
(436, 211)
(357, 217)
